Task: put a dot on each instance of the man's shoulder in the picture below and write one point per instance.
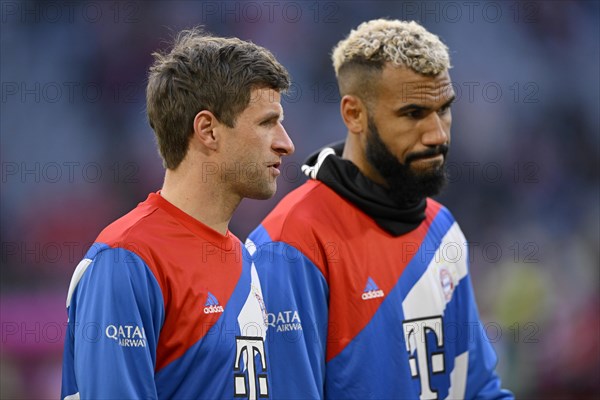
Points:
(313, 202)
(439, 220)
(132, 229)
(435, 209)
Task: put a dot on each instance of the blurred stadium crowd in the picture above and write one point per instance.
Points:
(77, 152)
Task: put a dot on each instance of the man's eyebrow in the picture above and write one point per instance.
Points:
(412, 107)
(272, 115)
(450, 101)
(419, 107)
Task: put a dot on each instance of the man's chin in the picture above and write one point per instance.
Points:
(263, 194)
(433, 184)
(425, 169)
(420, 185)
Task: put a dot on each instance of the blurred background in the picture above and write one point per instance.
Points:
(77, 153)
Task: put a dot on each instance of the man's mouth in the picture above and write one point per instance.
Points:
(438, 153)
(274, 167)
(430, 157)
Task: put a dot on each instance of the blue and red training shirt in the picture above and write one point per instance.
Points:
(162, 306)
(356, 312)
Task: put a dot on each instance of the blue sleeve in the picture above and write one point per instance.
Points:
(115, 315)
(482, 381)
(296, 296)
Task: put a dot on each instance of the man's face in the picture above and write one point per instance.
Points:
(409, 133)
(255, 146)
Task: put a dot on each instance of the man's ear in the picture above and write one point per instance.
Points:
(354, 113)
(205, 127)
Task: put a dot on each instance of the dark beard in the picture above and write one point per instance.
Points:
(405, 186)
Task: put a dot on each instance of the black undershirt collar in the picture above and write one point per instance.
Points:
(344, 177)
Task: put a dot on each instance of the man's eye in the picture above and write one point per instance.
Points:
(444, 110)
(417, 114)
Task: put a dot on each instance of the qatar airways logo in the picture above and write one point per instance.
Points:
(126, 335)
(371, 291)
(285, 321)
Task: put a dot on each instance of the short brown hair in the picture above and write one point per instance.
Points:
(203, 72)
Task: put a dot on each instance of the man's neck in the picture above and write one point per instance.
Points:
(208, 202)
(354, 152)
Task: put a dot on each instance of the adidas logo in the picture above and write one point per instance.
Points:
(371, 290)
(212, 305)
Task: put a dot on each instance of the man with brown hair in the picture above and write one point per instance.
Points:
(166, 304)
(366, 277)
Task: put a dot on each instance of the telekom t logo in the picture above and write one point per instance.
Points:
(246, 383)
(415, 336)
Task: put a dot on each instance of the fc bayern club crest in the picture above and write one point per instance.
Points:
(447, 283)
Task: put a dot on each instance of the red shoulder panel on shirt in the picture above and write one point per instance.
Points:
(188, 260)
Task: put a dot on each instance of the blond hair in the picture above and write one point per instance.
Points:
(401, 43)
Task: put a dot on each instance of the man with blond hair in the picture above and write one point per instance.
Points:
(166, 303)
(366, 277)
